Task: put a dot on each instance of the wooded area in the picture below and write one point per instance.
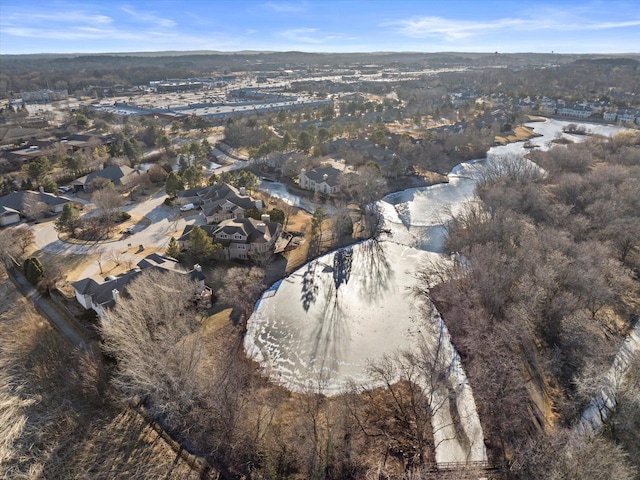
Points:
(540, 308)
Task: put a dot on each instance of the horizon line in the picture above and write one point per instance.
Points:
(206, 52)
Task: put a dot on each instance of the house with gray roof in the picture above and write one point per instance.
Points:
(183, 239)
(14, 134)
(15, 201)
(86, 142)
(323, 179)
(221, 201)
(118, 175)
(240, 237)
(8, 216)
(101, 295)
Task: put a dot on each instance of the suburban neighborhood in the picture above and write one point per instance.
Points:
(300, 265)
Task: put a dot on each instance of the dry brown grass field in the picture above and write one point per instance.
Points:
(58, 417)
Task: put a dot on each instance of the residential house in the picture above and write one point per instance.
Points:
(322, 179)
(119, 176)
(575, 110)
(189, 196)
(8, 216)
(16, 201)
(627, 116)
(15, 134)
(221, 201)
(31, 149)
(86, 143)
(242, 237)
(99, 296)
(183, 239)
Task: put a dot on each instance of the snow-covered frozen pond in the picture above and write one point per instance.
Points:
(336, 316)
(279, 190)
(323, 325)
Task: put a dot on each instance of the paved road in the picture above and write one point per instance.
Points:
(156, 234)
(64, 325)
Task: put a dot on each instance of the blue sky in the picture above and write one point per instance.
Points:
(320, 26)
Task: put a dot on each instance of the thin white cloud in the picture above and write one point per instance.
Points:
(286, 7)
(149, 18)
(80, 33)
(449, 29)
(453, 30)
(311, 36)
(305, 35)
(606, 25)
(66, 17)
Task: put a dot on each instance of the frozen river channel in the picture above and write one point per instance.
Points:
(322, 326)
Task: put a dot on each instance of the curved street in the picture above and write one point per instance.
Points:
(156, 234)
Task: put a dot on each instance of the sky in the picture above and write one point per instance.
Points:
(29, 26)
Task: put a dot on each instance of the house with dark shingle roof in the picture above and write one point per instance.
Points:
(86, 142)
(186, 233)
(15, 200)
(221, 201)
(243, 237)
(99, 296)
(322, 179)
(118, 175)
(13, 134)
(239, 237)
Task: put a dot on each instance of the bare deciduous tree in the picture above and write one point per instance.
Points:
(33, 208)
(23, 236)
(241, 289)
(150, 331)
(108, 201)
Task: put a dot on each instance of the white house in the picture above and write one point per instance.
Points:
(323, 180)
(8, 216)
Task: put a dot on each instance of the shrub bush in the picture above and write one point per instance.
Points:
(122, 217)
(33, 270)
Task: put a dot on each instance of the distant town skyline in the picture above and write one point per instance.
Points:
(505, 26)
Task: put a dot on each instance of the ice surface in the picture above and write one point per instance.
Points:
(323, 325)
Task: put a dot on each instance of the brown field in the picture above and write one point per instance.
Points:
(59, 419)
(520, 133)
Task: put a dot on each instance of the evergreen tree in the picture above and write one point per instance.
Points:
(192, 176)
(173, 250)
(33, 270)
(37, 169)
(49, 185)
(173, 184)
(68, 219)
(318, 218)
(202, 246)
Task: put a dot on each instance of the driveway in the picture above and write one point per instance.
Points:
(157, 234)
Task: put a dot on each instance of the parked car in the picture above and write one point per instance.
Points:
(64, 189)
(128, 230)
(187, 207)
